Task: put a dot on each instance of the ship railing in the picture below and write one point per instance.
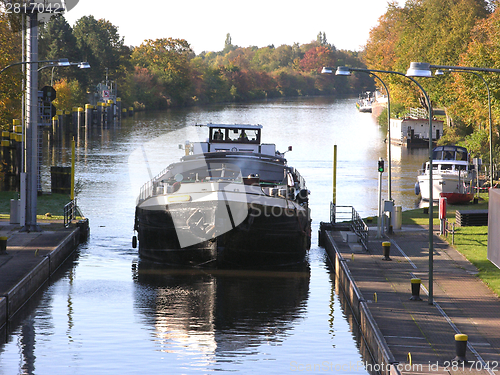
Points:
(149, 188)
(349, 215)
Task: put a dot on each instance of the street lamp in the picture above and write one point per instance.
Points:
(81, 65)
(60, 62)
(345, 71)
(416, 71)
(424, 70)
(410, 74)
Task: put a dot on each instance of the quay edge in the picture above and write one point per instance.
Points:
(35, 262)
(372, 335)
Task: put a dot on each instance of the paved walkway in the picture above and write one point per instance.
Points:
(417, 330)
(26, 250)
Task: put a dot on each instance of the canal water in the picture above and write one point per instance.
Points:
(110, 313)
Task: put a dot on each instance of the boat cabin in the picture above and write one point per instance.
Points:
(234, 138)
(450, 153)
(414, 132)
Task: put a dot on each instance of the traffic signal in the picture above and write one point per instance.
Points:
(381, 165)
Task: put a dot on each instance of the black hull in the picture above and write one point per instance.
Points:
(260, 240)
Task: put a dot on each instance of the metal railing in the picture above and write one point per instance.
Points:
(348, 214)
(418, 113)
(71, 212)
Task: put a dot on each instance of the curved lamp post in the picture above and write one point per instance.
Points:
(410, 74)
(346, 71)
(81, 65)
(60, 62)
(424, 70)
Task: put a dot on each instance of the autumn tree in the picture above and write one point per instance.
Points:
(168, 60)
(10, 79)
(316, 58)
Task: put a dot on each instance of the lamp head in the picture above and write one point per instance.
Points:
(326, 70)
(343, 71)
(84, 65)
(439, 72)
(63, 62)
(419, 69)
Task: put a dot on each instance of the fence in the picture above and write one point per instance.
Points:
(71, 212)
(348, 214)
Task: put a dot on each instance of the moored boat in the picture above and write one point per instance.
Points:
(452, 176)
(365, 101)
(230, 201)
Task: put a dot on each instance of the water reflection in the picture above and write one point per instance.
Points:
(219, 312)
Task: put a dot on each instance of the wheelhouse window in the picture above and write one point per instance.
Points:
(234, 135)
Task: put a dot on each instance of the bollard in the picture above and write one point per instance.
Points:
(3, 245)
(89, 109)
(387, 249)
(415, 290)
(461, 347)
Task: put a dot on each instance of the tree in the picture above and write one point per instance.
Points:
(316, 58)
(57, 41)
(167, 59)
(10, 80)
(103, 48)
(228, 44)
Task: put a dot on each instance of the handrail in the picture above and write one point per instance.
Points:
(71, 212)
(349, 214)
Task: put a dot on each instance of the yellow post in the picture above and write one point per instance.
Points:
(334, 199)
(73, 168)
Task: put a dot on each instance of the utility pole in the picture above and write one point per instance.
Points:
(380, 169)
(31, 112)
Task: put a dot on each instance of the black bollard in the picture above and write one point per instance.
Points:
(415, 290)
(387, 250)
(3, 245)
(461, 347)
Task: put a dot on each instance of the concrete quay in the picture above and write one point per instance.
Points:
(404, 336)
(31, 259)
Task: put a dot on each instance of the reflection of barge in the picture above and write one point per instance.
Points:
(219, 311)
(230, 200)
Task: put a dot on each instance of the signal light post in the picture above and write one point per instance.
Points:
(380, 169)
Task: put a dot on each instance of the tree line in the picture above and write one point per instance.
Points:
(444, 32)
(165, 72)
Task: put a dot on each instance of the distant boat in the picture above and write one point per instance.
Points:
(230, 201)
(413, 130)
(365, 101)
(452, 176)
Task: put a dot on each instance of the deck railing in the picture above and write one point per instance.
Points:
(349, 215)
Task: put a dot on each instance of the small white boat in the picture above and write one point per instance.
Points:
(452, 176)
(365, 101)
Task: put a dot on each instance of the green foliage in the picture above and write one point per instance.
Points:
(10, 80)
(103, 48)
(57, 41)
(472, 242)
(443, 32)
